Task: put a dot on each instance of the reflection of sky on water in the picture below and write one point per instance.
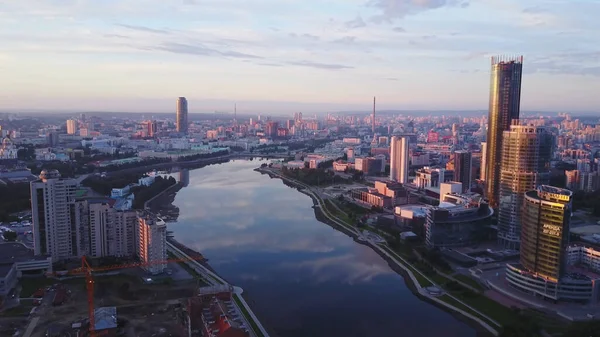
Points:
(303, 278)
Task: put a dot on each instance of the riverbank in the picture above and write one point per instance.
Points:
(412, 276)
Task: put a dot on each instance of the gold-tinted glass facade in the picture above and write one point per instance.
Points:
(505, 100)
(525, 164)
(545, 231)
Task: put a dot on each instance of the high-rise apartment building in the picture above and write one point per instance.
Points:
(71, 126)
(482, 169)
(152, 242)
(149, 128)
(53, 216)
(399, 159)
(526, 154)
(182, 115)
(462, 169)
(52, 138)
(105, 231)
(505, 99)
(545, 231)
(271, 129)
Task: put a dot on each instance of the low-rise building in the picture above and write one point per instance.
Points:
(459, 220)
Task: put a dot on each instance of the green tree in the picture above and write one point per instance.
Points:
(10, 235)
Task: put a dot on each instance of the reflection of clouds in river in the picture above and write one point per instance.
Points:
(351, 268)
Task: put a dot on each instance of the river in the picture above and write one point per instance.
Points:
(301, 277)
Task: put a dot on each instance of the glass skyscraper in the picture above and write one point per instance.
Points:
(182, 115)
(505, 98)
(525, 164)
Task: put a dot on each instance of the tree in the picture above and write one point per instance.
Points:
(10, 235)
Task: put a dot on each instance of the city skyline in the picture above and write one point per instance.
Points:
(413, 55)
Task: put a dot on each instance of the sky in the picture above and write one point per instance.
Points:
(294, 55)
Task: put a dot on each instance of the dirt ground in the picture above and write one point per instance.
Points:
(142, 309)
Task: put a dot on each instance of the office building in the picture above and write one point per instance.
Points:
(432, 177)
(543, 268)
(52, 138)
(505, 98)
(182, 115)
(526, 154)
(71, 126)
(545, 231)
(399, 159)
(152, 242)
(459, 220)
(462, 168)
(53, 209)
(482, 169)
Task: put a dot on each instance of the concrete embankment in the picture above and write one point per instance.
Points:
(398, 266)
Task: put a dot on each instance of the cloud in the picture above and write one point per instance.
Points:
(328, 66)
(200, 50)
(144, 29)
(305, 35)
(270, 64)
(357, 22)
(119, 36)
(399, 30)
(428, 37)
(392, 79)
(345, 40)
(533, 10)
(397, 9)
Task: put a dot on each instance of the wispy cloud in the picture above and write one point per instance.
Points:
(396, 9)
(357, 22)
(399, 30)
(200, 50)
(345, 40)
(328, 66)
(145, 29)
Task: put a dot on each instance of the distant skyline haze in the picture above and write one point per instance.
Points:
(281, 56)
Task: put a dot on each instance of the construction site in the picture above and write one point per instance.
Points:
(124, 300)
(125, 305)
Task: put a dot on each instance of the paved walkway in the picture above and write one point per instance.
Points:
(400, 262)
(214, 279)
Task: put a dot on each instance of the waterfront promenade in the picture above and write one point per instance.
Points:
(212, 279)
(451, 304)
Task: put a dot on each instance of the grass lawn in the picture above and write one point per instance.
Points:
(468, 280)
(30, 284)
(21, 310)
(245, 312)
(462, 307)
(421, 279)
(551, 324)
(191, 271)
(489, 307)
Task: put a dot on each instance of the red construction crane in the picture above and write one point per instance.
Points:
(89, 280)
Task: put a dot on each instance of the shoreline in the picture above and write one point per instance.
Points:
(410, 283)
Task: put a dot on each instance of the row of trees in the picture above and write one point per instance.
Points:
(103, 185)
(319, 176)
(14, 197)
(203, 156)
(145, 193)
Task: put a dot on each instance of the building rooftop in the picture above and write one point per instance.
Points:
(5, 269)
(106, 318)
(16, 252)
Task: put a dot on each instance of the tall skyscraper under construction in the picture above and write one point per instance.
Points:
(505, 99)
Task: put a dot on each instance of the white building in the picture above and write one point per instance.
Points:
(52, 207)
(399, 159)
(8, 150)
(152, 242)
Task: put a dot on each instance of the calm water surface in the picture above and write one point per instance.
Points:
(302, 278)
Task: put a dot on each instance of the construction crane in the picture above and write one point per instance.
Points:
(89, 280)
